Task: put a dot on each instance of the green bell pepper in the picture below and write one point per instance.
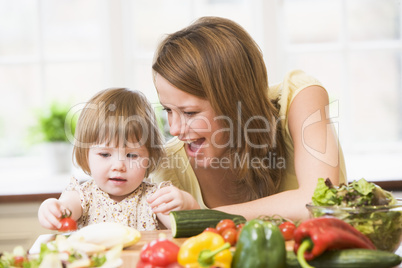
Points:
(260, 244)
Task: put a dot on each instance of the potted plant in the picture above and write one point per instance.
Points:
(52, 128)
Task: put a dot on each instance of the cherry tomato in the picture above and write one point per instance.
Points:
(67, 223)
(230, 236)
(287, 229)
(211, 229)
(239, 227)
(225, 224)
(18, 261)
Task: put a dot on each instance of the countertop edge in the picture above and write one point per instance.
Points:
(390, 185)
(7, 199)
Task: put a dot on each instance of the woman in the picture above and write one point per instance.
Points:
(242, 147)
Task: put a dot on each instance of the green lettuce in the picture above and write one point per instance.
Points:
(325, 195)
(363, 187)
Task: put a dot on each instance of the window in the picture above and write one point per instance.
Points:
(69, 49)
(354, 47)
(149, 21)
(49, 50)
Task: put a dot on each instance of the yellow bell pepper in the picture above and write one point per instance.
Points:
(205, 250)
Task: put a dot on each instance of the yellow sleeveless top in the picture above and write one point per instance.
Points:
(176, 166)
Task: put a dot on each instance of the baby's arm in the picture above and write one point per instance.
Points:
(171, 198)
(52, 209)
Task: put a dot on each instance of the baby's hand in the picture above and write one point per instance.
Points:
(171, 198)
(50, 212)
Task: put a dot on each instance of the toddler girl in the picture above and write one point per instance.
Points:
(117, 142)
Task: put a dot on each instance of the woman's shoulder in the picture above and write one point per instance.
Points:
(295, 81)
(175, 166)
(300, 76)
(173, 146)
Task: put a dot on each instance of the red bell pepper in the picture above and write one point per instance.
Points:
(159, 253)
(314, 236)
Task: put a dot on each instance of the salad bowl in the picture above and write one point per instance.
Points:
(381, 224)
(372, 210)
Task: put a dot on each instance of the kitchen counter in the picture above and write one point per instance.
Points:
(32, 187)
(131, 255)
(32, 181)
(23, 188)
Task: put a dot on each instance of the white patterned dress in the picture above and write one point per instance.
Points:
(132, 211)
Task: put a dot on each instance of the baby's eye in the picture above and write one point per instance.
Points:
(132, 156)
(104, 154)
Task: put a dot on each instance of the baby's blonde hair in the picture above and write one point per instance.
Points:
(121, 117)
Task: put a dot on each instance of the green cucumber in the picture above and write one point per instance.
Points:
(186, 223)
(349, 258)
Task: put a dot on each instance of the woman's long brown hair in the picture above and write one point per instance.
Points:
(216, 59)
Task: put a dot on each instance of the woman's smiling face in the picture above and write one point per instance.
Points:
(193, 121)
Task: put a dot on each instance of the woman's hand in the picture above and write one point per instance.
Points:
(171, 198)
(50, 213)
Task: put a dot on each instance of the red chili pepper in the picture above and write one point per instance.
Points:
(314, 236)
(159, 253)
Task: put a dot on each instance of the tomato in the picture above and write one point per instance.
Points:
(18, 261)
(239, 227)
(67, 223)
(211, 229)
(230, 236)
(287, 229)
(225, 224)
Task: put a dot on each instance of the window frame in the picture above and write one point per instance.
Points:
(269, 32)
(361, 159)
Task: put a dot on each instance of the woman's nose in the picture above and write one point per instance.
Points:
(176, 124)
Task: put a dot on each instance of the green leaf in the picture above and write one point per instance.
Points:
(98, 260)
(363, 187)
(323, 195)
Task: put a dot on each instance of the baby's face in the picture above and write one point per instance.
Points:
(118, 171)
